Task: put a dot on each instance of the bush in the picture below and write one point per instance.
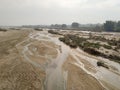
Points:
(93, 45)
(113, 42)
(100, 63)
(98, 38)
(4, 30)
(73, 45)
(92, 51)
(107, 46)
(62, 39)
(114, 58)
(75, 41)
(54, 32)
(69, 42)
(38, 29)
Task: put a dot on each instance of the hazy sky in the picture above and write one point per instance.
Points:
(20, 12)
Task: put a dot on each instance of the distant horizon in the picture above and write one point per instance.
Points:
(58, 24)
(46, 12)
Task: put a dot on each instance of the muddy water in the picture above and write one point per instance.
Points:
(102, 73)
(56, 78)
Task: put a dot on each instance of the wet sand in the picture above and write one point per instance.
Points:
(79, 79)
(15, 72)
(39, 61)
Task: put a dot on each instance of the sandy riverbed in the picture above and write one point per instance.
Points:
(37, 60)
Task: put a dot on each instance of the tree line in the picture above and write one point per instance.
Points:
(109, 26)
(112, 26)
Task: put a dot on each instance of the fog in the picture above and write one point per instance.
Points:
(22, 12)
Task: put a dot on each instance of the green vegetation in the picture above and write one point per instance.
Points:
(118, 26)
(98, 38)
(109, 26)
(63, 26)
(112, 26)
(112, 42)
(4, 30)
(107, 46)
(38, 29)
(92, 51)
(114, 58)
(75, 25)
(68, 41)
(75, 41)
(54, 32)
(72, 40)
(115, 43)
(100, 63)
(93, 45)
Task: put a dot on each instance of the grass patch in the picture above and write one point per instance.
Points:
(92, 48)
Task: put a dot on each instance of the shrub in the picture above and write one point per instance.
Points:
(73, 45)
(38, 29)
(75, 41)
(107, 46)
(115, 58)
(98, 38)
(100, 63)
(93, 45)
(53, 32)
(92, 51)
(4, 30)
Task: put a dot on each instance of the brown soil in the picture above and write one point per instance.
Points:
(15, 73)
(43, 48)
(87, 65)
(109, 86)
(42, 52)
(79, 79)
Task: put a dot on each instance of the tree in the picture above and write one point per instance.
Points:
(109, 26)
(75, 25)
(118, 26)
(64, 26)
